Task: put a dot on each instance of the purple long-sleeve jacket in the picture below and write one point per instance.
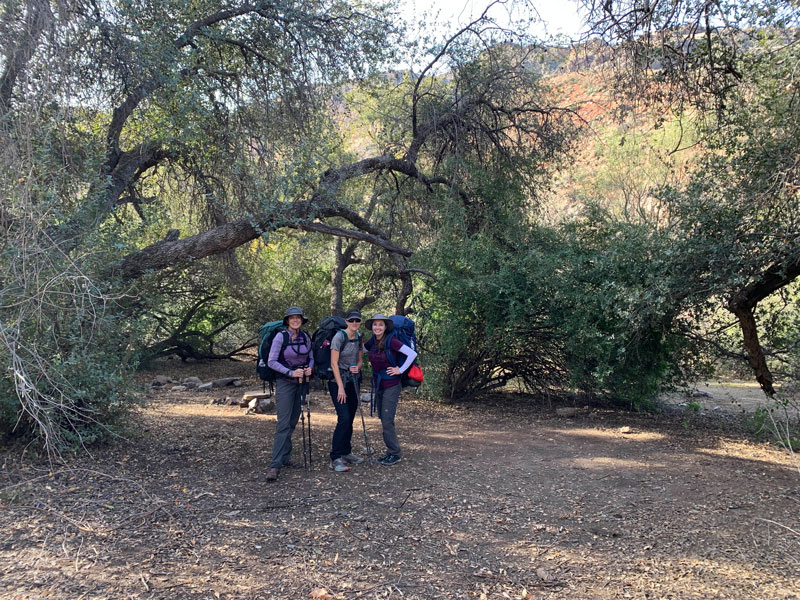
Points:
(297, 353)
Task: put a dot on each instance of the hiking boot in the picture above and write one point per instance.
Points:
(273, 473)
(339, 465)
(290, 464)
(383, 458)
(352, 459)
(390, 459)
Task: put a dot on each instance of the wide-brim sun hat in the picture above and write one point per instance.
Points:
(294, 311)
(380, 317)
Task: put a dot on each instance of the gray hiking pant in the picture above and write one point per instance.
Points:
(287, 405)
(387, 408)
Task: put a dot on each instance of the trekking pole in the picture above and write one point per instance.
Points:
(304, 397)
(303, 426)
(367, 447)
(371, 395)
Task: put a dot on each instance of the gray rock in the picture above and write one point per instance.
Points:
(205, 387)
(567, 411)
(161, 380)
(260, 406)
(226, 381)
(178, 388)
(221, 401)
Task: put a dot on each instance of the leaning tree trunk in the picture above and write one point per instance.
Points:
(755, 353)
(743, 305)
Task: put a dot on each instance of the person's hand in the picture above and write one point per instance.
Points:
(297, 373)
(307, 371)
(354, 369)
(393, 370)
(341, 396)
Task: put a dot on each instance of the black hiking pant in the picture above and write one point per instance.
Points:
(345, 415)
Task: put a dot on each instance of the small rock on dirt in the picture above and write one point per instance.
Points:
(260, 406)
(567, 411)
(178, 388)
(625, 429)
(161, 380)
(226, 381)
(222, 401)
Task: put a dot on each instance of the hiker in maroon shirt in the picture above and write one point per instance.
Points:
(386, 380)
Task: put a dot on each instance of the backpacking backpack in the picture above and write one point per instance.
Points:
(403, 331)
(321, 344)
(266, 334)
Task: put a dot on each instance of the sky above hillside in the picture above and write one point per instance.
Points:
(559, 17)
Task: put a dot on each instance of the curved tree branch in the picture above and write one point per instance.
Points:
(226, 237)
(300, 214)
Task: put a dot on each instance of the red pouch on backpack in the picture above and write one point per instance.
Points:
(415, 373)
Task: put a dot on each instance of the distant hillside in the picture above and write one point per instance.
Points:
(623, 152)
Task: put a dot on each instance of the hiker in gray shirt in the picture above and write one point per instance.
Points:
(346, 360)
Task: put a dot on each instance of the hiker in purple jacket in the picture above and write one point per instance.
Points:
(293, 361)
(386, 380)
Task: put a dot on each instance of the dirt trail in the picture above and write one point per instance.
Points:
(500, 501)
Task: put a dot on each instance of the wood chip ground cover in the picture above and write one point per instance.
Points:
(503, 500)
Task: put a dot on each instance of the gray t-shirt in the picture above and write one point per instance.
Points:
(348, 351)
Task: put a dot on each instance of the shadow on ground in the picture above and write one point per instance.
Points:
(489, 502)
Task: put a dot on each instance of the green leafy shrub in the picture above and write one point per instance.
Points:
(617, 303)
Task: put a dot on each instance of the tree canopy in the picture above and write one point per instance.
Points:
(175, 173)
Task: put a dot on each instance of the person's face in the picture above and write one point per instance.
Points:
(378, 327)
(295, 321)
(353, 324)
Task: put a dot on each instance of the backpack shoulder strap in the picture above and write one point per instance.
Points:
(356, 339)
(286, 339)
(389, 352)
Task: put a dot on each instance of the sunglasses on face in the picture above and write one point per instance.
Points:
(354, 320)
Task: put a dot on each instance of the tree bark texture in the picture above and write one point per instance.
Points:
(755, 354)
(743, 305)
